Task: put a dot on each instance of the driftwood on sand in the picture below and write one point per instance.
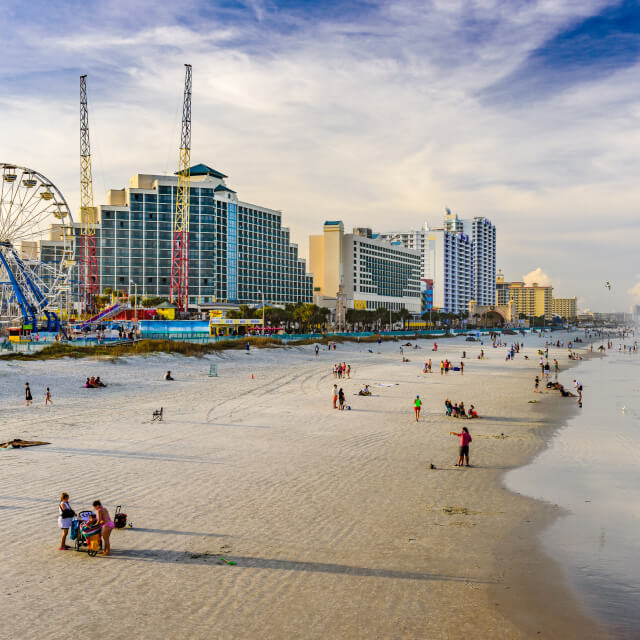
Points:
(16, 443)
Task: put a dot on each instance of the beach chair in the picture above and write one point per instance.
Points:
(157, 415)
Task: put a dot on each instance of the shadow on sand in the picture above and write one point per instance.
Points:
(185, 557)
(135, 455)
(172, 532)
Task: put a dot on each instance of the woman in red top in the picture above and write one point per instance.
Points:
(465, 439)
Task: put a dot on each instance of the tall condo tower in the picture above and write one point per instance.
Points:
(89, 283)
(180, 246)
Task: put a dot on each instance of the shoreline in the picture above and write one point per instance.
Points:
(338, 527)
(553, 607)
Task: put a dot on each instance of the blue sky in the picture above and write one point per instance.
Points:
(378, 113)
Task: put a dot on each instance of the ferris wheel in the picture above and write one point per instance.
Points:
(37, 249)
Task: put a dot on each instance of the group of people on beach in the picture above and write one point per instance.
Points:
(338, 397)
(341, 370)
(28, 396)
(445, 366)
(99, 520)
(94, 382)
(458, 410)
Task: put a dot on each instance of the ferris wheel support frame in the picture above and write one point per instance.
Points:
(30, 311)
(33, 289)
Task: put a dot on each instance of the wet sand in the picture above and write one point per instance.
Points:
(337, 526)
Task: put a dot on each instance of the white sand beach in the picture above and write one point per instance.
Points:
(337, 526)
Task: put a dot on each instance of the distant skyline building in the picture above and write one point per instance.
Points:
(483, 235)
(373, 273)
(565, 308)
(531, 300)
(459, 258)
(236, 249)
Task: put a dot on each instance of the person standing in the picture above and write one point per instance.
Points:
(537, 385)
(47, 397)
(465, 439)
(335, 396)
(417, 405)
(341, 399)
(461, 368)
(104, 520)
(578, 386)
(556, 367)
(28, 398)
(65, 517)
(317, 350)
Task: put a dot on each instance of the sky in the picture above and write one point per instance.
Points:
(378, 113)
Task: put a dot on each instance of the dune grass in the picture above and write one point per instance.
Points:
(148, 347)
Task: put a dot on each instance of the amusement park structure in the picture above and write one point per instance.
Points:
(89, 284)
(179, 292)
(35, 274)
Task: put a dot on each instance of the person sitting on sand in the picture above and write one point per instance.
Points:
(472, 412)
(455, 409)
(99, 382)
(365, 392)
(92, 382)
(462, 411)
(89, 385)
(167, 376)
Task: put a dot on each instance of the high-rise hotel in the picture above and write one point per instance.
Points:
(369, 272)
(459, 258)
(238, 251)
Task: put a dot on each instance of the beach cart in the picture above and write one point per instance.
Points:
(86, 535)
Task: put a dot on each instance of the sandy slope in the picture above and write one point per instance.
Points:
(337, 525)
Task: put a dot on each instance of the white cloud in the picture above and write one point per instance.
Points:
(634, 292)
(538, 276)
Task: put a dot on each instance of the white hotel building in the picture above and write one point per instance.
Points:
(459, 257)
(372, 273)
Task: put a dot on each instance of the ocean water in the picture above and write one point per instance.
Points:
(592, 469)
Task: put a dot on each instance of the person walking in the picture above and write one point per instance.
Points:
(417, 405)
(537, 385)
(65, 516)
(28, 398)
(335, 396)
(556, 367)
(104, 520)
(465, 439)
(47, 397)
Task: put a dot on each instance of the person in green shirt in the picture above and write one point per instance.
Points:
(417, 405)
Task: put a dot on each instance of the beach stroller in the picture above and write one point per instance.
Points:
(86, 534)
